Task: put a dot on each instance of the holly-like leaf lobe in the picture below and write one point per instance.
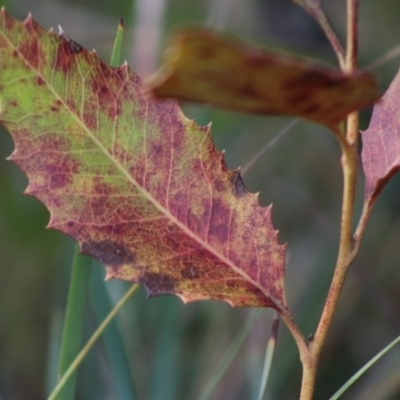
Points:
(137, 184)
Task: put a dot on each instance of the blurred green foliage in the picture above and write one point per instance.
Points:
(168, 350)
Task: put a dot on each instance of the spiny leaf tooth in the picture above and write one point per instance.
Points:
(204, 128)
(29, 21)
(61, 31)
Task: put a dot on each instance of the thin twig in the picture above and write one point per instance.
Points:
(269, 146)
(351, 64)
(334, 41)
(349, 166)
(346, 253)
(390, 55)
(316, 10)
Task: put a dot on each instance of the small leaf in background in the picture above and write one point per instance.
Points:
(137, 184)
(207, 67)
(381, 142)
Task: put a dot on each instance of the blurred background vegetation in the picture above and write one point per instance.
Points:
(166, 350)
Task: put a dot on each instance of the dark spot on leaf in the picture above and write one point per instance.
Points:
(40, 81)
(315, 78)
(219, 226)
(297, 98)
(240, 188)
(310, 109)
(255, 57)
(109, 252)
(205, 52)
(59, 181)
(157, 284)
(248, 90)
(231, 284)
(189, 272)
(74, 47)
(71, 224)
(236, 179)
(30, 50)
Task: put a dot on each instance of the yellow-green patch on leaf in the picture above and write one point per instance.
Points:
(136, 183)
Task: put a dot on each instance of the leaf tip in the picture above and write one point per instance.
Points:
(29, 21)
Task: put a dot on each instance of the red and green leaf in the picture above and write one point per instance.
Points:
(381, 143)
(204, 66)
(137, 184)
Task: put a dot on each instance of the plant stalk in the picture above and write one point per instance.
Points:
(346, 254)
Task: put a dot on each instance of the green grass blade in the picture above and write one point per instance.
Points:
(166, 374)
(364, 369)
(72, 332)
(113, 343)
(72, 368)
(116, 52)
(229, 355)
(73, 321)
(268, 356)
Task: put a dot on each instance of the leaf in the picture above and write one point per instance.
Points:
(137, 184)
(381, 142)
(207, 67)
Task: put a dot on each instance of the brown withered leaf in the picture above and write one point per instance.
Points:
(204, 66)
(381, 143)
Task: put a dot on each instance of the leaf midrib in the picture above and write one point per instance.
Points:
(130, 179)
